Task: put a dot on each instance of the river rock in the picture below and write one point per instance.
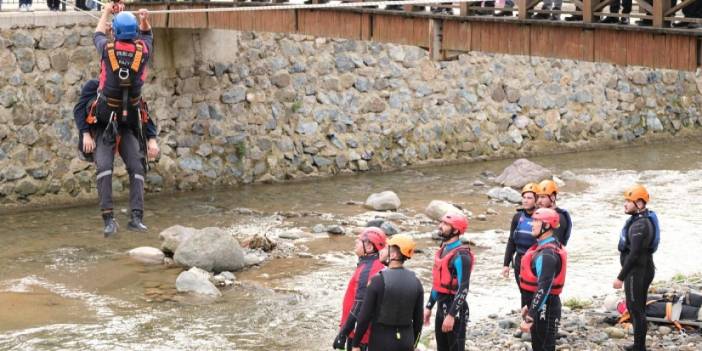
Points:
(663, 330)
(505, 194)
(147, 254)
(522, 172)
(227, 275)
(336, 229)
(389, 228)
(212, 249)
(260, 242)
(437, 209)
(615, 333)
(599, 338)
(507, 324)
(196, 281)
(173, 236)
(386, 200)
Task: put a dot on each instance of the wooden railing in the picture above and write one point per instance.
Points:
(660, 12)
(447, 35)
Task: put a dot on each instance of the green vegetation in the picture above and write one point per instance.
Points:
(296, 106)
(577, 304)
(241, 150)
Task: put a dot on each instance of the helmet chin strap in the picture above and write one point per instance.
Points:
(543, 231)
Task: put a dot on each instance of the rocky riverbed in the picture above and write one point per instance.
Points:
(100, 297)
(582, 328)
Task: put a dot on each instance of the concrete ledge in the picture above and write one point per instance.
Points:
(44, 19)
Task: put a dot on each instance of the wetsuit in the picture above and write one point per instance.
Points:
(638, 270)
(545, 307)
(453, 304)
(562, 233)
(393, 305)
(368, 266)
(520, 240)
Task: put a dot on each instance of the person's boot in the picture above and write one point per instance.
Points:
(110, 224)
(541, 15)
(574, 18)
(610, 20)
(555, 16)
(135, 224)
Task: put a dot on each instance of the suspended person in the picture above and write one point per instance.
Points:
(453, 264)
(520, 236)
(542, 276)
(368, 245)
(393, 302)
(547, 194)
(637, 242)
(121, 120)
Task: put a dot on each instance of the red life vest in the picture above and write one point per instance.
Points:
(444, 281)
(528, 279)
(368, 269)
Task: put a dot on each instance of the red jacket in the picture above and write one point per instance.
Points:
(368, 267)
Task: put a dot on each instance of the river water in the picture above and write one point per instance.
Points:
(64, 287)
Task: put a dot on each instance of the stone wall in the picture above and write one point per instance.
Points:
(237, 108)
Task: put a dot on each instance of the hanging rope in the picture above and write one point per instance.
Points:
(307, 6)
(79, 9)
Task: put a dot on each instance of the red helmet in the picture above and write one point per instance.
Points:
(547, 216)
(375, 236)
(457, 221)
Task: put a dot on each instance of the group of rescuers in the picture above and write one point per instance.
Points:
(383, 308)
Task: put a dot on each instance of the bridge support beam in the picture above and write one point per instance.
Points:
(436, 27)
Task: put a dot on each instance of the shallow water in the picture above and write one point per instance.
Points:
(68, 288)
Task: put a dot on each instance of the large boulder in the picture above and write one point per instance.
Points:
(148, 255)
(386, 200)
(172, 237)
(196, 281)
(505, 194)
(522, 172)
(211, 249)
(438, 209)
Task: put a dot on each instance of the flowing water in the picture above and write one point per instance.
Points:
(64, 287)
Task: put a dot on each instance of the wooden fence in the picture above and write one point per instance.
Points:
(447, 35)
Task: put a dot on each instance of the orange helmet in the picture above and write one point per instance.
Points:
(404, 242)
(547, 216)
(547, 187)
(637, 192)
(530, 188)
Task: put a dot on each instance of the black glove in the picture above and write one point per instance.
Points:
(340, 342)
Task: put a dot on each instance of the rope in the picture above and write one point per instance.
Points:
(310, 6)
(78, 9)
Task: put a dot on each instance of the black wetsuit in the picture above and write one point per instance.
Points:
(545, 308)
(562, 233)
(520, 240)
(454, 305)
(637, 273)
(393, 304)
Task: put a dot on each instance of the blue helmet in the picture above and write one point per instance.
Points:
(124, 25)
